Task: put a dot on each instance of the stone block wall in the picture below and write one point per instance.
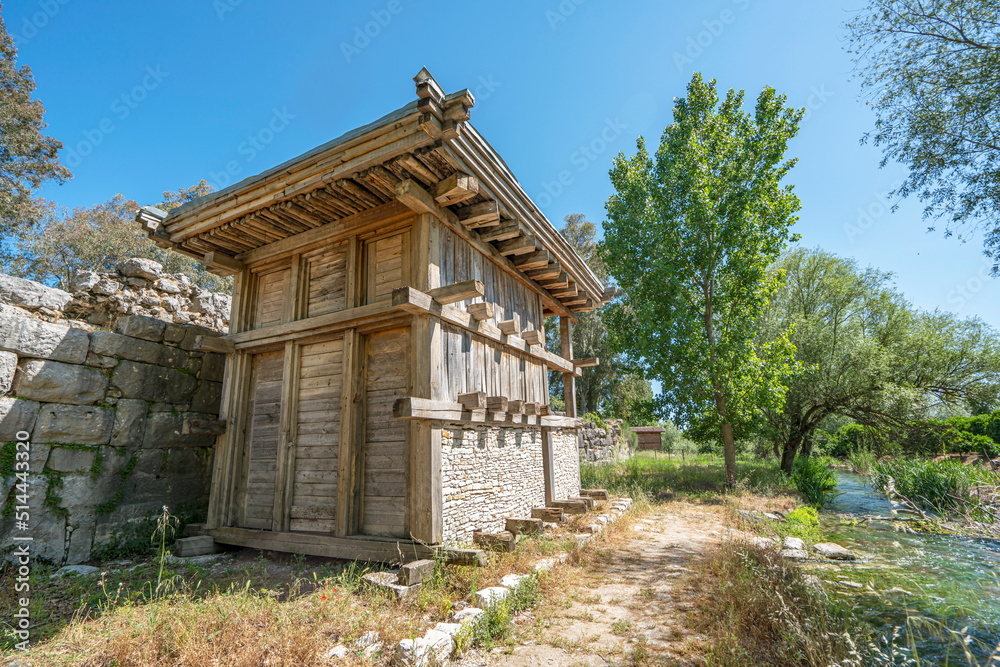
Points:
(566, 460)
(104, 412)
(604, 445)
(490, 473)
(98, 300)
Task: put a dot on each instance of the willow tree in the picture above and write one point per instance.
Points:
(690, 234)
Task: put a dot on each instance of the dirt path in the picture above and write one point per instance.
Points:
(629, 609)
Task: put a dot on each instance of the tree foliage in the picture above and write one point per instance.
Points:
(609, 388)
(27, 157)
(931, 71)
(866, 354)
(690, 235)
(57, 243)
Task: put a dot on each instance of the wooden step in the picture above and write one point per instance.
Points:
(548, 514)
(502, 541)
(524, 526)
(571, 505)
(596, 494)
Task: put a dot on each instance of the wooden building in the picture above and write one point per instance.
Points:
(650, 437)
(386, 375)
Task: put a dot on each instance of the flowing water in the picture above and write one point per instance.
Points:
(952, 581)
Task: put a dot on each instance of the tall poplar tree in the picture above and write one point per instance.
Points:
(690, 234)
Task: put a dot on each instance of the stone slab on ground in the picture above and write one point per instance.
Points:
(387, 581)
(834, 551)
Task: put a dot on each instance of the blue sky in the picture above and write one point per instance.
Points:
(155, 96)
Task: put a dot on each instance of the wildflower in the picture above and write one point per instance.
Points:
(323, 598)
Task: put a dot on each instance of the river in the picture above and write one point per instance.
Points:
(939, 580)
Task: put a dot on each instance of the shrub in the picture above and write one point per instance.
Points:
(861, 462)
(595, 419)
(802, 522)
(814, 480)
(943, 486)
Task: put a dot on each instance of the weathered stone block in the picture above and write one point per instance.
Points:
(32, 295)
(137, 267)
(8, 364)
(130, 423)
(163, 430)
(106, 287)
(524, 526)
(192, 332)
(213, 367)
(167, 285)
(55, 382)
(74, 424)
(83, 281)
(16, 415)
(44, 340)
(207, 398)
(68, 460)
(415, 572)
(174, 333)
(135, 349)
(141, 326)
(153, 383)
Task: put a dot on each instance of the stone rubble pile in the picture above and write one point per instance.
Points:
(98, 300)
(598, 444)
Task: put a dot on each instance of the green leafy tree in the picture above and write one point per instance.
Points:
(27, 157)
(866, 354)
(58, 243)
(608, 388)
(931, 71)
(690, 235)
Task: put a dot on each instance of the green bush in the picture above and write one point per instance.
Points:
(801, 522)
(943, 486)
(814, 480)
(595, 419)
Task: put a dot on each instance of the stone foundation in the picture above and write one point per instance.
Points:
(491, 473)
(104, 413)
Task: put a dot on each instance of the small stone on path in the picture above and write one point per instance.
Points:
(833, 551)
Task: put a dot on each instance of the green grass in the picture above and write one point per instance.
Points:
(814, 480)
(943, 486)
(653, 476)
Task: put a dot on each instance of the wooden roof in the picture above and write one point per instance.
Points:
(425, 155)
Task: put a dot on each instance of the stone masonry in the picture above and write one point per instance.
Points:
(104, 410)
(603, 445)
(490, 473)
(98, 300)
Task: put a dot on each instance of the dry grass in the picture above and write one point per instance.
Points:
(272, 609)
(755, 609)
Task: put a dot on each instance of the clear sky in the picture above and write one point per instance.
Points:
(149, 97)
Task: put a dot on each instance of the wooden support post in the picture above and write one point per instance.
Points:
(351, 426)
(496, 403)
(223, 265)
(585, 363)
(463, 291)
(534, 336)
(508, 327)
(214, 344)
(480, 311)
(475, 400)
(569, 379)
(424, 490)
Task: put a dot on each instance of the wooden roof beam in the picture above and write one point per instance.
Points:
(477, 216)
(456, 189)
(470, 289)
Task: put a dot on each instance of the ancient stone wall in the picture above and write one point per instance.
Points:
(103, 413)
(490, 473)
(604, 445)
(566, 463)
(98, 300)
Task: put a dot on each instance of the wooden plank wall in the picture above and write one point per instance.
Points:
(262, 439)
(456, 261)
(388, 265)
(326, 269)
(270, 297)
(318, 437)
(385, 455)
(473, 363)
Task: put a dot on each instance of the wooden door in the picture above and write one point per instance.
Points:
(264, 417)
(383, 501)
